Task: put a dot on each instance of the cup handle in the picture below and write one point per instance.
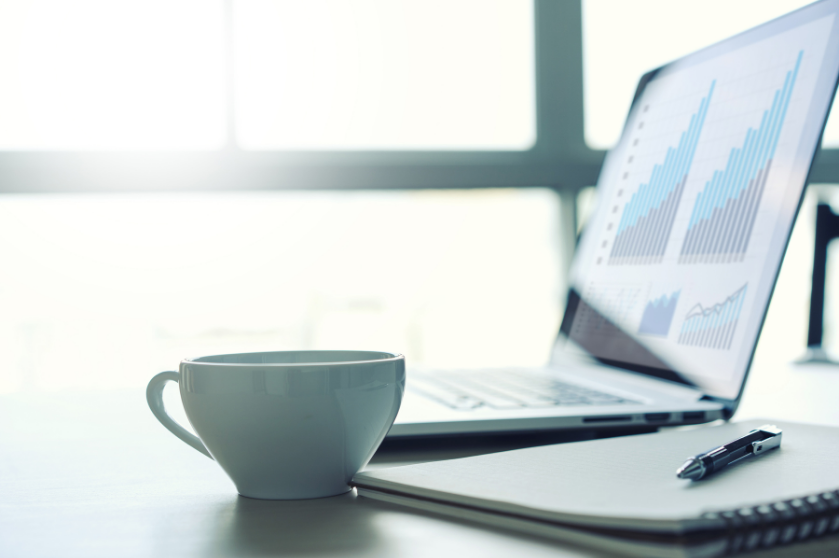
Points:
(154, 396)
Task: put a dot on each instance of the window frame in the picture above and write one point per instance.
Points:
(560, 157)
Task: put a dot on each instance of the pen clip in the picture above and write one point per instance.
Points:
(773, 439)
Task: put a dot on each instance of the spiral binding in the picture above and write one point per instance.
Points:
(780, 523)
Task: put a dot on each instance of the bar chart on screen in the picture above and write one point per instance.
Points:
(724, 212)
(696, 203)
(713, 327)
(647, 219)
(658, 315)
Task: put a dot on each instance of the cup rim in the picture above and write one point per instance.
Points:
(391, 358)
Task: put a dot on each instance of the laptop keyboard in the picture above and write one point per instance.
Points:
(506, 389)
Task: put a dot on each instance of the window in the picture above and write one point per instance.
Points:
(453, 278)
(382, 75)
(111, 74)
(314, 75)
(785, 329)
(457, 278)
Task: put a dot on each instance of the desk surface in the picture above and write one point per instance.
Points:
(92, 474)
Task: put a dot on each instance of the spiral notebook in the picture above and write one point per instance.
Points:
(622, 494)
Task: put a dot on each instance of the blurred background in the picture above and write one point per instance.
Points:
(190, 177)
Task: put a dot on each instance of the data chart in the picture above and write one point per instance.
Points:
(713, 327)
(724, 212)
(658, 315)
(647, 219)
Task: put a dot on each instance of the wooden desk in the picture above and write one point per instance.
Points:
(93, 474)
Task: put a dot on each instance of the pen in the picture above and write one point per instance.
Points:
(757, 442)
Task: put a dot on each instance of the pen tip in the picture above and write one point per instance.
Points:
(692, 469)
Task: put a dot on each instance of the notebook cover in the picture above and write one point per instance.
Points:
(626, 483)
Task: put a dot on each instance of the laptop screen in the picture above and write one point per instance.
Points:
(674, 272)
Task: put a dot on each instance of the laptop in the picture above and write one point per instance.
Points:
(673, 274)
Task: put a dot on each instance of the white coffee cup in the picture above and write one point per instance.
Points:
(286, 425)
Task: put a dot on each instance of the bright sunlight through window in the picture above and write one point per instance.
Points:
(111, 74)
(379, 74)
(313, 75)
(452, 278)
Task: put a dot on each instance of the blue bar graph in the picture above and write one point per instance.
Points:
(658, 315)
(647, 218)
(724, 214)
(713, 327)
